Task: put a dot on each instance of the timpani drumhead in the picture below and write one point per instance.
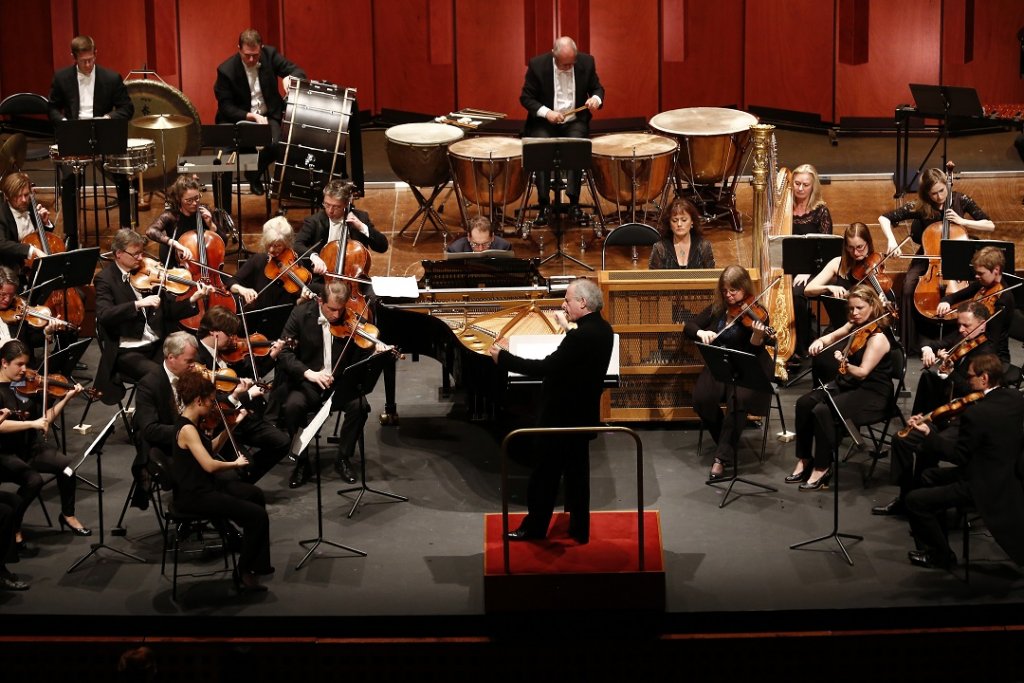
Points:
(712, 142)
(156, 97)
(487, 147)
(626, 145)
(488, 169)
(418, 152)
(702, 121)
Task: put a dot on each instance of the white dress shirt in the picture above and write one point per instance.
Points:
(86, 88)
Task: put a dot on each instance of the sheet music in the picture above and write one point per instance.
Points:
(399, 287)
(301, 441)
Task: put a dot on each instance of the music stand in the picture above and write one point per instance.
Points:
(90, 138)
(809, 254)
(554, 155)
(96, 447)
(63, 362)
(835, 533)
(735, 369)
(359, 379)
(956, 256)
(246, 134)
(61, 271)
(940, 102)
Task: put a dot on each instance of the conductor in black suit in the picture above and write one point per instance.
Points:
(987, 454)
(246, 90)
(88, 91)
(571, 397)
(556, 82)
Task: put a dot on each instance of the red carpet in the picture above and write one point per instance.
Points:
(559, 574)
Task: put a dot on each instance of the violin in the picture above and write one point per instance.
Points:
(987, 296)
(294, 277)
(858, 339)
(36, 316)
(872, 271)
(256, 344)
(364, 334)
(927, 292)
(951, 409)
(152, 275)
(748, 311)
(65, 301)
(208, 247)
(56, 385)
(961, 349)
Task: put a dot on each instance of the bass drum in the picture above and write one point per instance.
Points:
(156, 97)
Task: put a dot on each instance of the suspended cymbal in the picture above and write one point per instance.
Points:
(162, 121)
(12, 154)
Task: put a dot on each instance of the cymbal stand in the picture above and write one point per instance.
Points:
(835, 533)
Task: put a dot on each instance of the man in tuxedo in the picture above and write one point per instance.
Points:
(987, 475)
(88, 91)
(479, 237)
(316, 367)
(246, 90)
(557, 82)
(336, 216)
(571, 397)
(17, 221)
(130, 325)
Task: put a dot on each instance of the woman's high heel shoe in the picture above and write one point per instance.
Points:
(820, 483)
(76, 530)
(800, 478)
(715, 476)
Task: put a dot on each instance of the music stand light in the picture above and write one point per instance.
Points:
(554, 155)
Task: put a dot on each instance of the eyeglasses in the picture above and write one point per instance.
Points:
(480, 244)
(133, 254)
(191, 200)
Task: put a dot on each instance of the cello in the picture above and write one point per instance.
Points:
(930, 287)
(351, 259)
(66, 302)
(208, 247)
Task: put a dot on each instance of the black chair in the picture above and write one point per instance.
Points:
(27, 113)
(180, 526)
(630, 235)
(879, 431)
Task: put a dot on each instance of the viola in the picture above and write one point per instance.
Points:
(152, 275)
(928, 290)
(67, 302)
(857, 341)
(257, 344)
(951, 409)
(208, 247)
(962, 348)
(748, 311)
(364, 335)
(293, 277)
(36, 316)
(56, 385)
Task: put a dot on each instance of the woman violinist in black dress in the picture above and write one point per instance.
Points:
(861, 391)
(198, 489)
(709, 327)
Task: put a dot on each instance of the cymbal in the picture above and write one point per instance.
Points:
(162, 121)
(12, 154)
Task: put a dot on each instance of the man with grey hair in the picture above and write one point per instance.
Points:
(558, 82)
(573, 377)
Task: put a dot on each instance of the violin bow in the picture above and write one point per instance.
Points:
(856, 330)
(973, 330)
(245, 331)
(748, 306)
(220, 411)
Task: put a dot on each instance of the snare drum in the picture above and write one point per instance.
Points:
(140, 155)
(712, 142)
(59, 160)
(418, 152)
(488, 170)
(631, 169)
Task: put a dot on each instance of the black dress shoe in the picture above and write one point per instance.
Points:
(922, 558)
(575, 212)
(344, 469)
(76, 530)
(11, 582)
(266, 571)
(248, 583)
(521, 534)
(26, 550)
(580, 538)
(256, 184)
(300, 475)
(893, 507)
(543, 215)
(820, 483)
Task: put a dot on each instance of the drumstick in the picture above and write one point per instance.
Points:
(573, 111)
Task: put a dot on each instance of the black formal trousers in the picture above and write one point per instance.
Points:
(726, 427)
(817, 433)
(305, 399)
(916, 452)
(43, 459)
(538, 127)
(9, 504)
(561, 457)
(244, 505)
(944, 487)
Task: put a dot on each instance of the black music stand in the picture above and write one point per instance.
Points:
(91, 138)
(835, 533)
(63, 362)
(956, 256)
(96, 447)
(554, 155)
(735, 369)
(809, 254)
(244, 134)
(932, 101)
(360, 378)
(61, 271)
